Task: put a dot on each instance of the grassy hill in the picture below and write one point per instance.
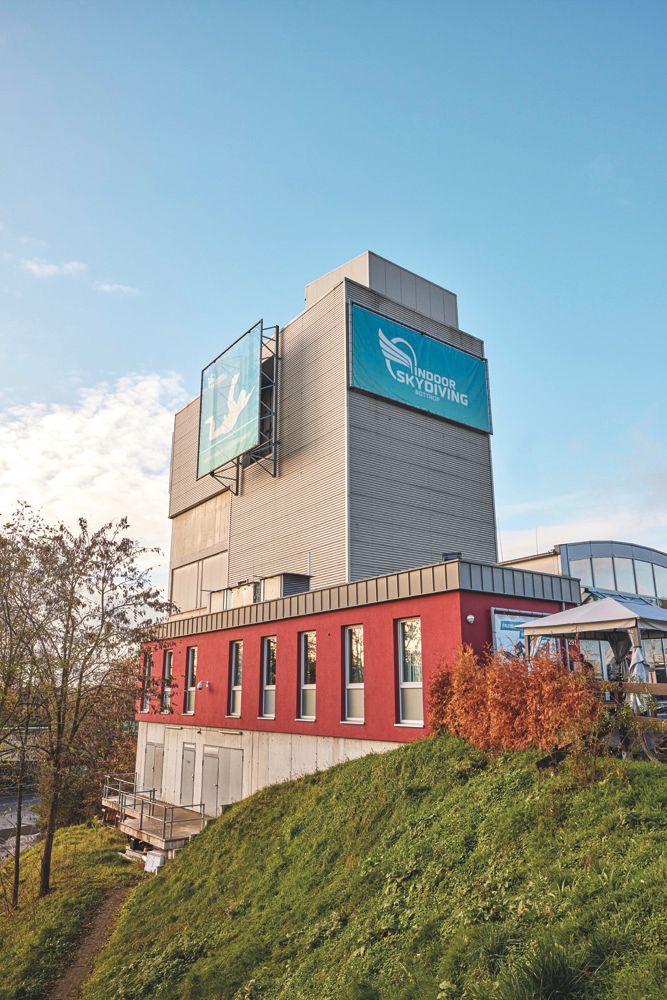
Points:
(38, 938)
(433, 871)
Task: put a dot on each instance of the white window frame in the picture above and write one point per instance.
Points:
(146, 682)
(165, 694)
(403, 684)
(235, 690)
(190, 690)
(353, 685)
(269, 687)
(303, 639)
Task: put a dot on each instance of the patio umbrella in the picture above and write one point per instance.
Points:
(638, 675)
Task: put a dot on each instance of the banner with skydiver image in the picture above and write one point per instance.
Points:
(230, 403)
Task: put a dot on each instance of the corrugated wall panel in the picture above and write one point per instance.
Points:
(419, 486)
(277, 522)
(274, 523)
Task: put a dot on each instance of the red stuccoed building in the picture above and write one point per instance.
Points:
(273, 690)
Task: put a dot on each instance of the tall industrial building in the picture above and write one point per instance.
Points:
(371, 476)
(333, 543)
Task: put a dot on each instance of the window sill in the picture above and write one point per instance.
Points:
(305, 718)
(353, 722)
(188, 713)
(409, 725)
(234, 715)
(269, 718)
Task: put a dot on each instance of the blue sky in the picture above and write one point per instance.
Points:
(170, 172)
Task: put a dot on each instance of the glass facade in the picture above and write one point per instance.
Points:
(581, 568)
(660, 580)
(603, 573)
(644, 574)
(623, 573)
(623, 568)
(654, 652)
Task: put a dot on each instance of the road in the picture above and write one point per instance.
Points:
(8, 823)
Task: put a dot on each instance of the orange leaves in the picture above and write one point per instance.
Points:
(498, 702)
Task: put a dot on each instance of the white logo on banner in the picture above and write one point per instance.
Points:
(235, 407)
(401, 362)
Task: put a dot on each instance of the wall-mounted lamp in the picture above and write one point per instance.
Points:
(470, 619)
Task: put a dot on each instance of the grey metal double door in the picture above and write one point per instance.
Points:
(222, 778)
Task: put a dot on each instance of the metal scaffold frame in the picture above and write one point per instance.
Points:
(265, 454)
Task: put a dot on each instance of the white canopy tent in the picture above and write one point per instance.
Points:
(623, 623)
(597, 618)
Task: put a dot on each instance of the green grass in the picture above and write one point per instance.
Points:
(434, 871)
(37, 939)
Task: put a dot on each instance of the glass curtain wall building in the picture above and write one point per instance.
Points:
(608, 569)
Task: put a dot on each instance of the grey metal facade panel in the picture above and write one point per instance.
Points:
(186, 489)
(414, 318)
(412, 290)
(275, 523)
(457, 574)
(418, 488)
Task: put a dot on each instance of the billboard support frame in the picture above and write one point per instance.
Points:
(265, 453)
(230, 479)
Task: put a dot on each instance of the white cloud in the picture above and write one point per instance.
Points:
(102, 456)
(635, 511)
(40, 268)
(112, 288)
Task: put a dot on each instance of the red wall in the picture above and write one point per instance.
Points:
(443, 628)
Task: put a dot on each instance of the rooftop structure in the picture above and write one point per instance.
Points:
(374, 454)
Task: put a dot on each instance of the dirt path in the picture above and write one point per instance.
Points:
(69, 985)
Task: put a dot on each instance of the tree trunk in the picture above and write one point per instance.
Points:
(45, 871)
(19, 818)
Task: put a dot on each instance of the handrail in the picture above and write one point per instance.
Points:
(145, 804)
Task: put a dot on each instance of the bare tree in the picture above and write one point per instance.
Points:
(94, 606)
(20, 587)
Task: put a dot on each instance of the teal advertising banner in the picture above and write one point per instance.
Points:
(229, 404)
(391, 360)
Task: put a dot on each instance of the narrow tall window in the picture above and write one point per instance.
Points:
(146, 682)
(269, 676)
(190, 680)
(307, 673)
(167, 660)
(410, 671)
(235, 676)
(354, 673)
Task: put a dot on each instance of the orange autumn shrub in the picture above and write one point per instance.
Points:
(500, 702)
